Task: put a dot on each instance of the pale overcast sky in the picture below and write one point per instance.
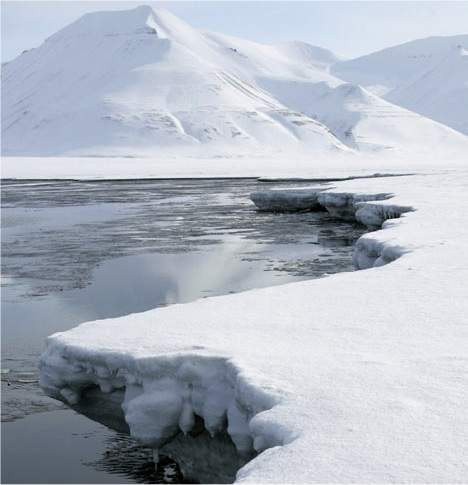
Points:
(348, 28)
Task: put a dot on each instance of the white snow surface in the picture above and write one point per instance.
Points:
(428, 76)
(356, 377)
(154, 85)
(286, 166)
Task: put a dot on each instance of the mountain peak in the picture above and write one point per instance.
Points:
(308, 53)
(140, 20)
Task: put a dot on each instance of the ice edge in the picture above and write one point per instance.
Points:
(371, 210)
(165, 394)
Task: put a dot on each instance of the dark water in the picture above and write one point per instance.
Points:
(65, 447)
(77, 251)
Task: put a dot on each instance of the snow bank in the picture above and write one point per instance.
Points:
(357, 377)
(362, 208)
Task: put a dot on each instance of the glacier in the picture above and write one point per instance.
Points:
(354, 377)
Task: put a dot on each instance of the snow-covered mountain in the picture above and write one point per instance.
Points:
(428, 76)
(143, 82)
(132, 82)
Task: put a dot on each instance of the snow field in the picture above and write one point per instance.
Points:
(355, 377)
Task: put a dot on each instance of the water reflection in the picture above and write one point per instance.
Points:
(65, 447)
(125, 457)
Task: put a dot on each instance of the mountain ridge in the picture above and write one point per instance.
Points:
(154, 83)
(416, 76)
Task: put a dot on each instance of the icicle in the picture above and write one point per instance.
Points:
(155, 458)
(187, 419)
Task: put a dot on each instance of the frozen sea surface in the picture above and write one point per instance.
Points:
(76, 251)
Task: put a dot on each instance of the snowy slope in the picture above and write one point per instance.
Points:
(307, 54)
(358, 118)
(428, 76)
(154, 85)
(441, 93)
(151, 82)
(370, 390)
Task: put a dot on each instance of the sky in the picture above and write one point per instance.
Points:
(348, 28)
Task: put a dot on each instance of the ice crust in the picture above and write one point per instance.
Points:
(357, 377)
